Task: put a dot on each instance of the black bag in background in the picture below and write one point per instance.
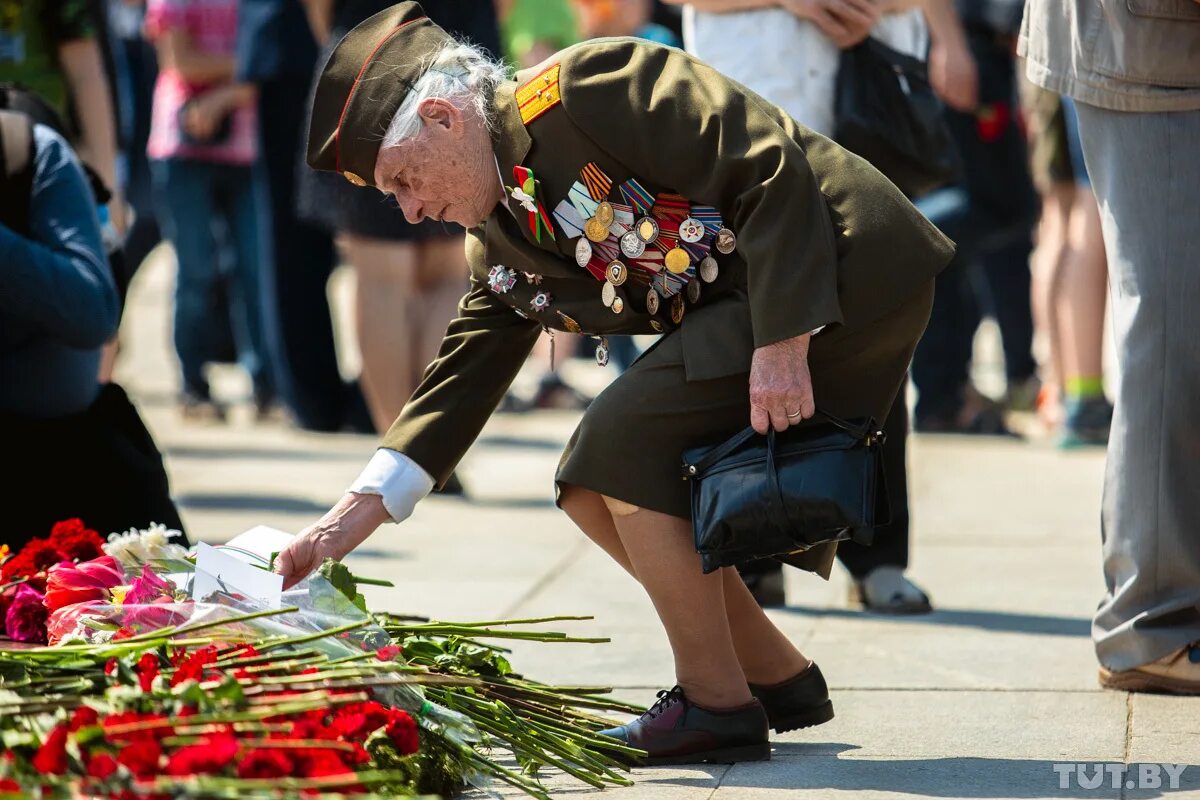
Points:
(762, 496)
(886, 112)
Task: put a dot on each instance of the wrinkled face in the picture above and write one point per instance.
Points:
(447, 171)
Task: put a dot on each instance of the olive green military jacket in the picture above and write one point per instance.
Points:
(822, 237)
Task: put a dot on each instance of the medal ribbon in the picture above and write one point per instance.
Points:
(538, 220)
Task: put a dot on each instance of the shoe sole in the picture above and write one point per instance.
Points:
(1135, 681)
(817, 715)
(724, 755)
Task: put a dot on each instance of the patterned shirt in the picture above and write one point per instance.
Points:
(211, 26)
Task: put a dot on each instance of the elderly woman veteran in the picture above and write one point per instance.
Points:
(622, 187)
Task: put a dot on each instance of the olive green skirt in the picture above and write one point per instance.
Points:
(630, 442)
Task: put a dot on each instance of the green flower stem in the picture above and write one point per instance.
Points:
(490, 623)
(312, 637)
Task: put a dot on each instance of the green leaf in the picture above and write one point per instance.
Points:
(340, 577)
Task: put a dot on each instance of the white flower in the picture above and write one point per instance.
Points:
(135, 547)
(525, 200)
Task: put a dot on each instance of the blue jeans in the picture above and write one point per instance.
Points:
(205, 205)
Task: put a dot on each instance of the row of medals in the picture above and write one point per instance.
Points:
(634, 243)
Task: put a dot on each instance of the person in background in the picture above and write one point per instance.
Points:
(409, 277)
(277, 53)
(50, 47)
(1069, 274)
(788, 51)
(1132, 71)
(202, 147)
(58, 306)
(622, 18)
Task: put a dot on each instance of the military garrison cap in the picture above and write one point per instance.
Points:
(363, 84)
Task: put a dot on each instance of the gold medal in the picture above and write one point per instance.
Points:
(618, 305)
(595, 230)
(583, 252)
(726, 241)
(652, 301)
(604, 213)
(693, 291)
(646, 229)
(608, 294)
(709, 269)
(677, 309)
(677, 260)
(617, 273)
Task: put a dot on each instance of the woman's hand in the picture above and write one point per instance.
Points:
(781, 392)
(343, 528)
(845, 22)
(204, 114)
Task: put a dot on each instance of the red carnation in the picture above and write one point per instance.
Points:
(76, 541)
(9, 785)
(265, 763)
(101, 766)
(141, 757)
(110, 666)
(319, 763)
(84, 717)
(388, 653)
(51, 757)
(212, 755)
(147, 669)
(34, 557)
(402, 730)
(156, 726)
(192, 667)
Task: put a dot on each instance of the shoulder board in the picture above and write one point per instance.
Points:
(539, 95)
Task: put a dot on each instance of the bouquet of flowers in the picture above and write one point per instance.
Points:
(149, 691)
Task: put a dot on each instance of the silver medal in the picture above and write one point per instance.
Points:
(631, 245)
(726, 241)
(602, 352)
(583, 252)
(693, 291)
(691, 230)
(709, 269)
(608, 294)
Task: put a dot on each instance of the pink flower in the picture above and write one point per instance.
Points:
(149, 588)
(25, 620)
(68, 619)
(76, 583)
(157, 614)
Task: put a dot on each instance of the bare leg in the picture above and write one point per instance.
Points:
(384, 302)
(1081, 299)
(1047, 263)
(441, 283)
(763, 651)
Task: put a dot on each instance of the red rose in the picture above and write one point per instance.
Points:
(84, 717)
(147, 669)
(76, 541)
(51, 757)
(101, 766)
(67, 584)
(402, 730)
(141, 757)
(211, 756)
(265, 763)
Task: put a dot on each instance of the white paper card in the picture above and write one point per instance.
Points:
(257, 544)
(220, 572)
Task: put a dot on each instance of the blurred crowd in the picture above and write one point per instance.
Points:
(189, 116)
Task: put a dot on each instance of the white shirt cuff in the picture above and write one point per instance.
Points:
(397, 479)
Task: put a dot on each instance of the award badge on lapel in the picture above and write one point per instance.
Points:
(526, 193)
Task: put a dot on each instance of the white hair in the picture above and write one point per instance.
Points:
(460, 73)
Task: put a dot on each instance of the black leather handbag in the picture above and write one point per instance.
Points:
(886, 112)
(760, 496)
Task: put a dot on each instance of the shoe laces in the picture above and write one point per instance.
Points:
(666, 699)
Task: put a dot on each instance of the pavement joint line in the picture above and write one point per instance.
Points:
(720, 779)
(548, 577)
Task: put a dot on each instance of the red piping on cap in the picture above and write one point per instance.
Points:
(337, 134)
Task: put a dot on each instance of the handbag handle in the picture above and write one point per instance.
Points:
(727, 447)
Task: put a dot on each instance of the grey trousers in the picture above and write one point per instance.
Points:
(1145, 169)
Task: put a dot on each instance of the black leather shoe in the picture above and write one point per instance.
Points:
(676, 731)
(799, 702)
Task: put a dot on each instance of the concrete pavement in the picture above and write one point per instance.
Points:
(988, 697)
